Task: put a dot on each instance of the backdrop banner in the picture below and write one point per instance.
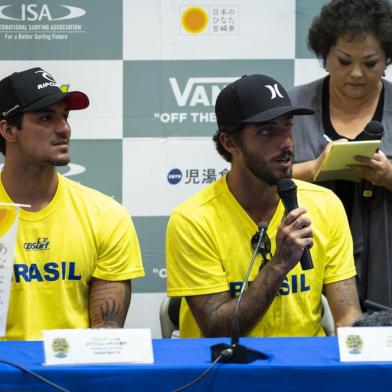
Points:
(152, 70)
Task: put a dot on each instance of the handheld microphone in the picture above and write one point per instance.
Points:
(374, 131)
(234, 352)
(287, 191)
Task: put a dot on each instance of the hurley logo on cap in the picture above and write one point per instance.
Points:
(252, 99)
(274, 90)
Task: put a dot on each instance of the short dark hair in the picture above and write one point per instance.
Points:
(375, 319)
(352, 18)
(15, 121)
(233, 131)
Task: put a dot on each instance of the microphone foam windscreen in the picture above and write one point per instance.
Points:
(374, 129)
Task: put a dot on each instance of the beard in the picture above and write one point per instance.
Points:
(262, 171)
(61, 158)
(59, 161)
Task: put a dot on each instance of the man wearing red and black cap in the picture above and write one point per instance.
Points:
(210, 237)
(77, 249)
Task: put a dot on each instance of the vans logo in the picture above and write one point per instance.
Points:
(199, 91)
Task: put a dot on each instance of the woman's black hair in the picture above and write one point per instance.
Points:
(352, 19)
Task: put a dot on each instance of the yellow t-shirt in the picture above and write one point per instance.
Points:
(208, 247)
(81, 234)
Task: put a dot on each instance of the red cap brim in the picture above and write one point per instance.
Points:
(76, 100)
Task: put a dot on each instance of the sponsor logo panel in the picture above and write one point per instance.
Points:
(97, 164)
(61, 29)
(180, 168)
(307, 70)
(211, 20)
(151, 233)
(306, 10)
(211, 30)
(177, 98)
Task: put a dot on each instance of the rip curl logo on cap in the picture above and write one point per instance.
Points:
(274, 91)
(48, 77)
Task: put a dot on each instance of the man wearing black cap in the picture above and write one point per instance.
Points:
(210, 236)
(76, 248)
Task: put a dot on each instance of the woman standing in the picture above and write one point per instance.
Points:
(353, 39)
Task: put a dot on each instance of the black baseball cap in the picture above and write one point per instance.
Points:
(252, 99)
(35, 89)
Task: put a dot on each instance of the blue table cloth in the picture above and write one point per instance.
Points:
(294, 364)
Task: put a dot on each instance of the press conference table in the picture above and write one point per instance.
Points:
(294, 364)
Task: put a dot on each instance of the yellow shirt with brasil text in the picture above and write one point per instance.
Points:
(81, 234)
(208, 247)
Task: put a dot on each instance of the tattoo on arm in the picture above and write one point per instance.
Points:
(343, 299)
(214, 313)
(109, 303)
(205, 310)
(346, 291)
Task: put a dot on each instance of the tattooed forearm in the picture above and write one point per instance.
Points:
(109, 303)
(343, 300)
(214, 312)
(108, 311)
(206, 309)
(345, 292)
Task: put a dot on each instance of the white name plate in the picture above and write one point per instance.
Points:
(94, 346)
(365, 344)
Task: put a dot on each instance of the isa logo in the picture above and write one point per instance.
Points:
(53, 30)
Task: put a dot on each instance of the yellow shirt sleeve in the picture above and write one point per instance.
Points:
(192, 261)
(119, 256)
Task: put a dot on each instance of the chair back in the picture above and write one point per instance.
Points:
(327, 321)
(169, 316)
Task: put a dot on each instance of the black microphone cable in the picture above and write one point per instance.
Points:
(224, 353)
(36, 375)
